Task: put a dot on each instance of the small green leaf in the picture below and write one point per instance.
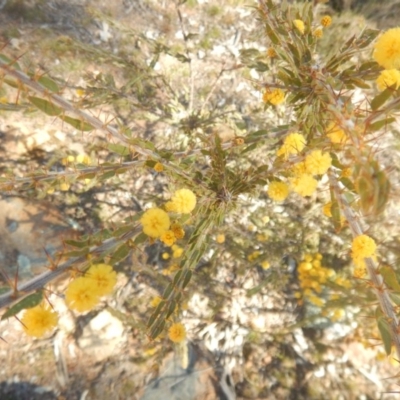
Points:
(46, 106)
(186, 278)
(120, 254)
(381, 98)
(10, 62)
(380, 124)
(168, 291)
(49, 84)
(390, 278)
(76, 243)
(384, 330)
(30, 301)
(77, 124)
(170, 309)
(119, 149)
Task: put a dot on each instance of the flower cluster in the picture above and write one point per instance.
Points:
(84, 293)
(362, 247)
(315, 281)
(275, 97)
(387, 49)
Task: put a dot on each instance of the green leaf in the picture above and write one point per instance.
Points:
(10, 62)
(49, 84)
(384, 330)
(170, 309)
(46, 106)
(157, 329)
(76, 243)
(186, 278)
(167, 292)
(141, 238)
(381, 98)
(119, 149)
(390, 278)
(77, 124)
(30, 301)
(120, 254)
(156, 313)
(380, 124)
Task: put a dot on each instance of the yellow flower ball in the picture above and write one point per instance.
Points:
(318, 33)
(387, 49)
(39, 320)
(183, 201)
(158, 167)
(168, 238)
(81, 294)
(104, 278)
(275, 97)
(388, 78)
(271, 53)
(304, 185)
(317, 162)
(176, 251)
(177, 333)
(278, 191)
(155, 222)
(293, 144)
(362, 247)
(178, 230)
(299, 24)
(326, 21)
(220, 238)
(335, 133)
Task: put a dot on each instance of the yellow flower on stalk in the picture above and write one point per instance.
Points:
(335, 133)
(220, 238)
(326, 21)
(177, 251)
(317, 162)
(104, 278)
(327, 209)
(156, 301)
(293, 144)
(299, 24)
(168, 238)
(387, 78)
(39, 320)
(318, 33)
(183, 201)
(177, 332)
(278, 191)
(178, 230)
(362, 247)
(265, 265)
(275, 97)
(158, 167)
(81, 294)
(304, 185)
(155, 222)
(387, 49)
(271, 53)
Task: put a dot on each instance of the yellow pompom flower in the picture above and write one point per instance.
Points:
(317, 162)
(168, 238)
(335, 133)
(158, 167)
(326, 21)
(275, 97)
(278, 191)
(183, 201)
(388, 78)
(271, 53)
(155, 222)
(304, 185)
(39, 320)
(81, 294)
(156, 301)
(104, 278)
(220, 238)
(177, 333)
(387, 49)
(362, 247)
(318, 33)
(177, 251)
(299, 24)
(293, 144)
(178, 230)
